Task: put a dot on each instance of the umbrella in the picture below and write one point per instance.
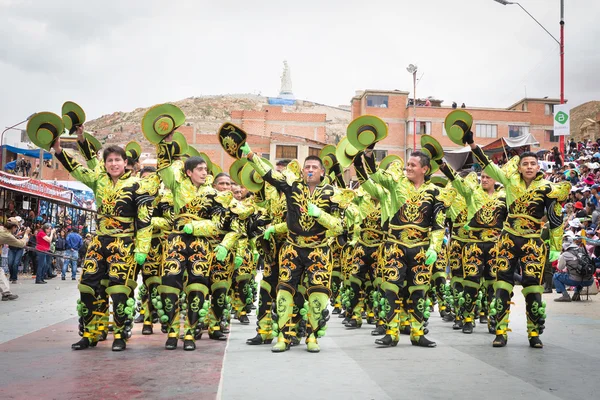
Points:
(10, 166)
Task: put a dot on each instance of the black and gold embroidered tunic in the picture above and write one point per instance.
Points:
(124, 208)
(303, 230)
(528, 205)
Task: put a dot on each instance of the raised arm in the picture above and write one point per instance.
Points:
(88, 177)
(488, 166)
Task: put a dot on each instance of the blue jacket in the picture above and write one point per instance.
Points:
(74, 241)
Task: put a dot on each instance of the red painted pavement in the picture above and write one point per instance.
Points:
(41, 365)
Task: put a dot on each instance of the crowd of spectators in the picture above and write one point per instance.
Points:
(50, 248)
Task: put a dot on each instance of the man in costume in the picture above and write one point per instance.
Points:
(152, 270)
(362, 272)
(123, 239)
(273, 240)
(309, 216)
(486, 212)
(416, 236)
(223, 264)
(528, 198)
(198, 214)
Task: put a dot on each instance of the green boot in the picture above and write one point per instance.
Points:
(168, 311)
(536, 314)
(285, 307)
(418, 310)
(500, 310)
(470, 291)
(317, 316)
(88, 318)
(123, 310)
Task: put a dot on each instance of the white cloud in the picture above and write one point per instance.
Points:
(114, 55)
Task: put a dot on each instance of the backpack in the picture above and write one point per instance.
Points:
(585, 266)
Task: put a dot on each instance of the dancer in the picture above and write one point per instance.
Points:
(123, 239)
(528, 198)
(486, 213)
(309, 216)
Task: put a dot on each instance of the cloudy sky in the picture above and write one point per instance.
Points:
(120, 55)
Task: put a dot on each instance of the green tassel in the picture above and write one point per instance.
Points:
(164, 318)
(130, 302)
(321, 332)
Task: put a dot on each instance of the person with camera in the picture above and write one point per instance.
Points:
(7, 236)
(575, 268)
(44, 239)
(15, 253)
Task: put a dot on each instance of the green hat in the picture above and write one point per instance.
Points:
(95, 143)
(161, 120)
(433, 167)
(366, 130)
(44, 128)
(345, 153)
(250, 179)
(181, 142)
(191, 151)
(215, 169)
(431, 147)
(457, 124)
(206, 158)
(236, 169)
(73, 116)
(232, 139)
(390, 159)
(327, 156)
(439, 181)
(133, 150)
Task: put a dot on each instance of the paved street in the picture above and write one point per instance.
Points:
(36, 361)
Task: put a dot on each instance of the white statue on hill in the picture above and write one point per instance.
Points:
(286, 82)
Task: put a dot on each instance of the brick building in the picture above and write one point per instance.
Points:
(528, 115)
(273, 133)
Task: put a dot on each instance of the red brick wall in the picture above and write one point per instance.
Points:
(397, 110)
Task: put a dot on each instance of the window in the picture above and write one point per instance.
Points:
(516, 130)
(266, 156)
(549, 109)
(377, 101)
(486, 130)
(551, 137)
(312, 151)
(288, 152)
(380, 155)
(423, 127)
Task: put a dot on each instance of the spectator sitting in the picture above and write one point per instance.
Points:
(593, 213)
(568, 274)
(588, 181)
(579, 211)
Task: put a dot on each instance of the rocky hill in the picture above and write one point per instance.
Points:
(579, 114)
(207, 113)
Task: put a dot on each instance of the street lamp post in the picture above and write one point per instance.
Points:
(2, 138)
(412, 69)
(561, 43)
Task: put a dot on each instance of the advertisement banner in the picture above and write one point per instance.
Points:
(562, 120)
